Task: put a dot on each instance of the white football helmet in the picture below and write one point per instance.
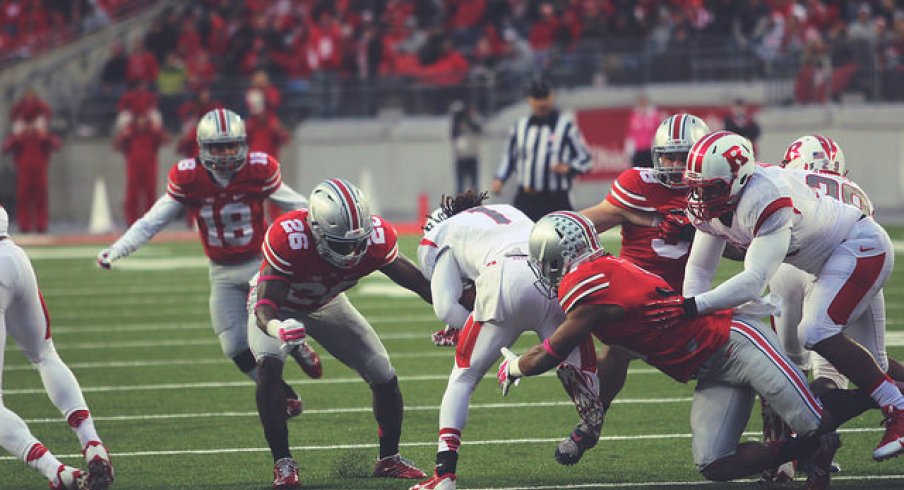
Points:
(717, 169)
(673, 139)
(559, 241)
(340, 221)
(222, 127)
(815, 152)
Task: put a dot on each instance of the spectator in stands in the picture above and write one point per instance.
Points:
(260, 84)
(140, 142)
(142, 65)
(265, 132)
(199, 70)
(741, 121)
(137, 101)
(192, 110)
(31, 144)
(113, 75)
(465, 132)
(170, 87)
(642, 123)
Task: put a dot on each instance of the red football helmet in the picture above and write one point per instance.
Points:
(718, 167)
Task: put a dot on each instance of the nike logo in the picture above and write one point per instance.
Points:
(866, 249)
(236, 197)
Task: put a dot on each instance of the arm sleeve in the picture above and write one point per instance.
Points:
(701, 263)
(287, 199)
(580, 156)
(161, 214)
(765, 254)
(507, 165)
(446, 288)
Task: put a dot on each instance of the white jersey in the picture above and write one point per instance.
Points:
(476, 237)
(819, 223)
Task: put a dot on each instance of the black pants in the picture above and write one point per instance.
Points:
(466, 169)
(537, 204)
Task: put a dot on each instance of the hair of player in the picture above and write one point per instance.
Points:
(452, 205)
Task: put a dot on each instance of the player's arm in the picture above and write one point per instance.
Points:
(287, 198)
(702, 262)
(578, 324)
(446, 289)
(606, 215)
(272, 289)
(403, 272)
(140, 233)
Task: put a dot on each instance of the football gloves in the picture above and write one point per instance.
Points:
(676, 227)
(509, 374)
(446, 337)
(106, 257)
(290, 331)
(664, 313)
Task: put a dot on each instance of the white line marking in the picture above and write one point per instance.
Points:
(683, 484)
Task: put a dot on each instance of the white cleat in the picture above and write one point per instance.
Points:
(100, 469)
(69, 478)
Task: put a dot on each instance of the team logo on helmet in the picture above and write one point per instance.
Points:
(718, 168)
(815, 152)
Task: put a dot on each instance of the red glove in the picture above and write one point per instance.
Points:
(447, 337)
(676, 227)
(664, 313)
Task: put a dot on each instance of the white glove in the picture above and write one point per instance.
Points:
(290, 332)
(509, 373)
(105, 258)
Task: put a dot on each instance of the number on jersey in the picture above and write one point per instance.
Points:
(295, 230)
(840, 190)
(494, 215)
(229, 225)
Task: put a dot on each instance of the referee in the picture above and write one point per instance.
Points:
(546, 150)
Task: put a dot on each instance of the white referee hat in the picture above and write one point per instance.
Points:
(4, 222)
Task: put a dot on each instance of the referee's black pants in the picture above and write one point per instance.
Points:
(536, 204)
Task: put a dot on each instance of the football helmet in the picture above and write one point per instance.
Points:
(4, 222)
(815, 152)
(218, 131)
(340, 222)
(557, 242)
(718, 167)
(673, 139)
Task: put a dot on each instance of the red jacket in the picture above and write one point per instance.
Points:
(265, 135)
(30, 109)
(138, 101)
(140, 146)
(31, 149)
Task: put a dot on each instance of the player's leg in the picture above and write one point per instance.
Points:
(270, 398)
(612, 364)
(846, 286)
(29, 325)
(347, 335)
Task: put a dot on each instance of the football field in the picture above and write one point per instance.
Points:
(176, 414)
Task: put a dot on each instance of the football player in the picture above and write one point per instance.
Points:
(776, 217)
(23, 315)
(649, 205)
(487, 245)
(311, 256)
(224, 187)
(730, 354)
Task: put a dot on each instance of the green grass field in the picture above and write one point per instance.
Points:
(177, 414)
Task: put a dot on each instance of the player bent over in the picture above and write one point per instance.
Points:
(24, 317)
(732, 357)
(464, 240)
(224, 187)
(311, 256)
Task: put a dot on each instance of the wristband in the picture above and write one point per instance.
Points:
(267, 302)
(690, 307)
(273, 328)
(549, 350)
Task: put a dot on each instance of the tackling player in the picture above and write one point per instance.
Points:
(776, 217)
(487, 245)
(730, 354)
(224, 187)
(649, 205)
(23, 316)
(311, 256)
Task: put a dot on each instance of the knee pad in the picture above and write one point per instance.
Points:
(378, 371)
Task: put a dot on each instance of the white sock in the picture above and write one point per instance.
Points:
(60, 384)
(83, 425)
(888, 394)
(46, 464)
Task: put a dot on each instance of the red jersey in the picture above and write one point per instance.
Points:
(289, 248)
(637, 189)
(230, 219)
(677, 351)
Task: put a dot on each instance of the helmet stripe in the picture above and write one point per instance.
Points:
(678, 125)
(346, 193)
(827, 145)
(582, 222)
(695, 159)
(222, 126)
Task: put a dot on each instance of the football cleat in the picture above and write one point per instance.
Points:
(437, 482)
(100, 469)
(892, 443)
(582, 438)
(397, 467)
(308, 360)
(775, 429)
(294, 407)
(285, 474)
(583, 390)
(69, 478)
(781, 474)
(819, 468)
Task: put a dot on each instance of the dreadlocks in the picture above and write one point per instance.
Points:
(451, 205)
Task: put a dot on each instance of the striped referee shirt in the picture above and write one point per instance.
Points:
(536, 144)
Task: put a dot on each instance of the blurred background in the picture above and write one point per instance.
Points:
(392, 93)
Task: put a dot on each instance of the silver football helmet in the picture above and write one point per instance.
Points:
(559, 241)
(674, 138)
(340, 221)
(222, 141)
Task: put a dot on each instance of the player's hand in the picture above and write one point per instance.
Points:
(509, 374)
(468, 296)
(446, 337)
(664, 313)
(676, 227)
(105, 258)
(292, 332)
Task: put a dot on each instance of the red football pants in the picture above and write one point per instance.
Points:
(141, 189)
(31, 198)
